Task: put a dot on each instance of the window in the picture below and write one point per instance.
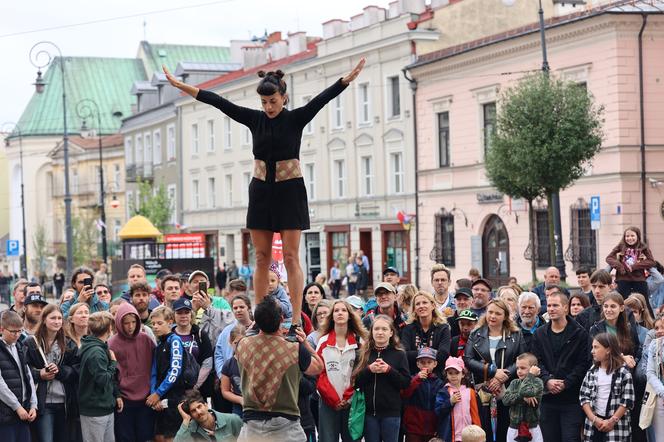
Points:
(156, 149)
(196, 203)
(147, 139)
(309, 128)
(443, 139)
(117, 177)
(194, 139)
(489, 124)
(171, 191)
(367, 176)
(170, 135)
(396, 251)
(339, 246)
(129, 152)
(337, 113)
(396, 160)
(228, 180)
(310, 180)
(138, 142)
(583, 243)
(212, 191)
(246, 135)
(444, 246)
(393, 97)
(117, 226)
(246, 180)
(227, 133)
(542, 244)
(74, 181)
(210, 128)
(363, 103)
(340, 178)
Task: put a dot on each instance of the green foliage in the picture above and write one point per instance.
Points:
(40, 245)
(84, 238)
(154, 204)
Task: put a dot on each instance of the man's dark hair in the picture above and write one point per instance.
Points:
(139, 287)
(80, 270)
(170, 277)
(30, 284)
(161, 274)
(601, 276)
(191, 397)
(553, 286)
(582, 270)
(268, 315)
(237, 285)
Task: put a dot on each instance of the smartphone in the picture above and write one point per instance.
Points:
(87, 282)
(202, 287)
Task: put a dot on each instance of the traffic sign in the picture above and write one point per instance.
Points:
(595, 215)
(12, 247)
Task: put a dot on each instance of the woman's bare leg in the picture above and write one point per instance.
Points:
(291, 246)
(262, 240)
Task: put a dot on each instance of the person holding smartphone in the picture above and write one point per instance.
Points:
(211, 320)
(81, 281)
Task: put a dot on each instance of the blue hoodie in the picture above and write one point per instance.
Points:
(284, 301)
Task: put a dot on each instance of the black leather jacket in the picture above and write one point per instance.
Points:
(477, 355)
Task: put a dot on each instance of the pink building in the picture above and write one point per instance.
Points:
(463, 221)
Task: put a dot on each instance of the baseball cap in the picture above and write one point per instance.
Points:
(161, 274)
(355, 301)
(426, 352)
(455, 363)
(468, 315)
(464, 291)
(35, 298)
(196, 273)
(386, 286)
(390, 269)
(481, 281)
(182, 304)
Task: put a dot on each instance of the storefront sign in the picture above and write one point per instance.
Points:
(489, 197)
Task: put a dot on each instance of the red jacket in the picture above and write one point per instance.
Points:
(334, 383)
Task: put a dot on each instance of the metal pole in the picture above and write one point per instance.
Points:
(65, 148)
(24, 256)
(555, 197)
(102, 194)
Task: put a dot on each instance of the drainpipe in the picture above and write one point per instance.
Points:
(413, 88)
(643, 131)
(179, 149)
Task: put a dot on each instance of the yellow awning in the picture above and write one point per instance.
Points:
(139, 227)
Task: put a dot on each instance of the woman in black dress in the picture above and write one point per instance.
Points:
(277, 195)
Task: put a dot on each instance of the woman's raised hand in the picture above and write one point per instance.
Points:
(354, 73)
(184, 87)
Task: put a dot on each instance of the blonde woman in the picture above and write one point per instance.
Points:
(77, 322)
(511, 297)
(405, 297)
(427, 327)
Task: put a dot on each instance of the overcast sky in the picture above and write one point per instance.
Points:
(211, 23)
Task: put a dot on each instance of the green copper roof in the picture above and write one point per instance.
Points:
(171, 54)
(107, 81)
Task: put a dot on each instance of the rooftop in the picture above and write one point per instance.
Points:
(170, 55)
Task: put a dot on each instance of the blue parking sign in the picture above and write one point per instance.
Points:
(595, 214)
(12, 247)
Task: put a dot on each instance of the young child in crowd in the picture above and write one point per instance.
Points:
(133, 350)
(457, 403)
(466, 321)
(607, 393)
(166, 391)
(523, 396)
(631, 258)
(18, 401)
(419, 418)
(382, 372)
(231, 388)
(277, 291)
(473, 433)
(98, 394)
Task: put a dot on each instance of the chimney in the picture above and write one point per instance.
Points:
(273, 37)
(439, 3)
(332, 28)
(413, 6)
(253, 56)
(373, 15)
(393, 9)
(357, 22)
(236, 50)
(278, 49)
(297, 42)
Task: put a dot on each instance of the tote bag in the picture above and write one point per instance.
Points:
(356, 415)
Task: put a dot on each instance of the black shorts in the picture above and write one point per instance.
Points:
(168, 421)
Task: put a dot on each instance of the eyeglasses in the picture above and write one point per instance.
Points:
(14, 332)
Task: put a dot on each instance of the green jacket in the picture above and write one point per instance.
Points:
(97, 388)
(227, 429)
(530, 386)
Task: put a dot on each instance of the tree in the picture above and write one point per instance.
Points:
(40, 244)
(153, 203)
(547, 132)
(85, 237)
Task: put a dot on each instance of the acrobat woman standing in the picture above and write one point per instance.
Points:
(277, 195)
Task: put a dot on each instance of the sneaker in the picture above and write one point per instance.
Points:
(292, 333)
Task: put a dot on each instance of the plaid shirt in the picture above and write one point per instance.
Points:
(622, 393)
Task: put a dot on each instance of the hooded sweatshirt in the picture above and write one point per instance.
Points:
(134, 354)
(96, 392)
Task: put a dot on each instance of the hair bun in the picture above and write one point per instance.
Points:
(261, 74)
(279, 74)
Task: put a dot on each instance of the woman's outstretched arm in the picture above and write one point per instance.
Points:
(184, 87)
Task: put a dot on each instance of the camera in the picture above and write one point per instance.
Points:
(87, 282)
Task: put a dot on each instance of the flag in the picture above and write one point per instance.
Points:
(406, 219)
(180, 226)
(100, 225)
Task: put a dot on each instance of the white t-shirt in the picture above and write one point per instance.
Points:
(493, 344)
(603, 391)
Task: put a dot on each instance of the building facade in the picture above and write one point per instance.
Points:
(464, 221)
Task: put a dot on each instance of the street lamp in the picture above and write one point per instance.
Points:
(88, 108)
(24, 257)
(38, 52)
